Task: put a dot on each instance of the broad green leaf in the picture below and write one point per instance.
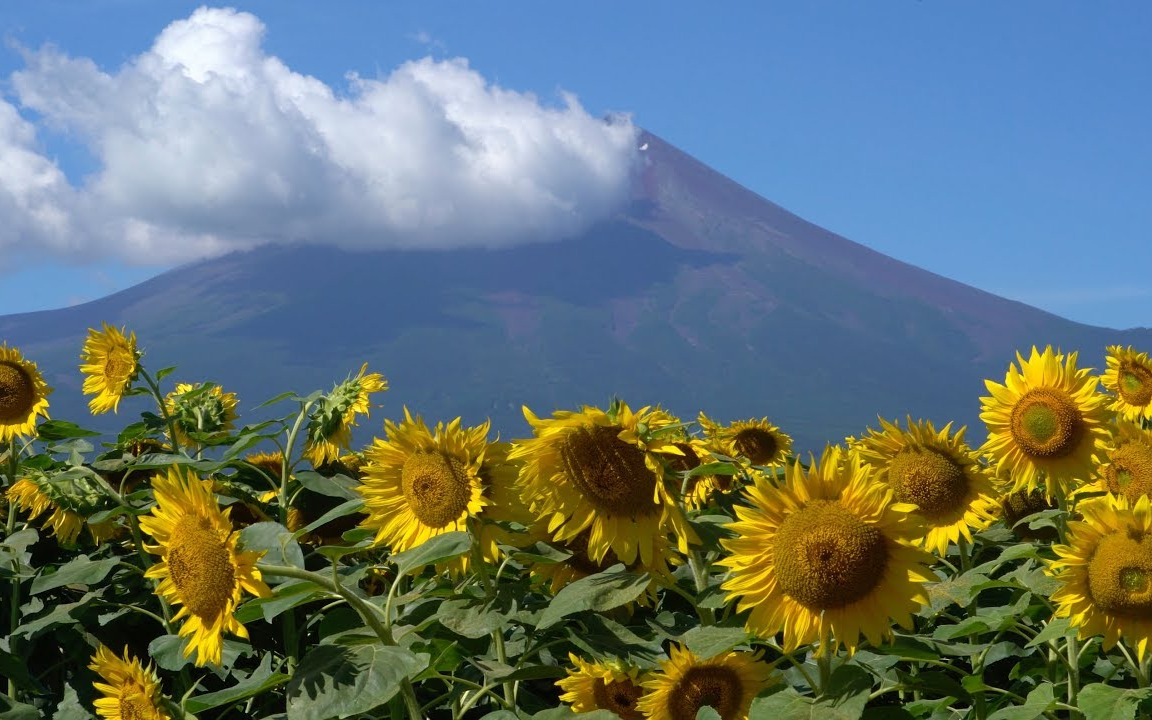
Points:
(437, 550)
(564, 712)
(12, 710)
(470, 618)
(341, 510)
(338, 682)
(847, 694)
(708, 713)
(339, 486)
(1104, 702)
(70, 707)
(78, 571)
(277, 542)
(603, 591)
(262, 679)
(959, 591)
(1055, 629)
(285, 596)
(709, 641)
(54, 430)
(1038, 702)
(65, 614)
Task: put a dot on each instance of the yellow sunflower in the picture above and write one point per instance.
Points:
(131, 691)
(1106, 572)
(200, 568)
(601, 472)
(498, 477)
(556, 575)
(209, 412)
(23, 395)
(111, 362)
(610, 685)
(36, 498)
(330, 426)
(701, 488)
(1127, 464)
(935, 471)
(685, 683)
(1046, 424)
(419, 484)
(1129, 378)
(846, 562)
(758, 442)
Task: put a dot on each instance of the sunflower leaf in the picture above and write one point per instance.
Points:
(261, 679)
(80, 571)
(603, 591)
(338, 682)
(279, 547)
(437, 550)
(1099, 701)
(1038, 702)
(848, 690)
(54, 430)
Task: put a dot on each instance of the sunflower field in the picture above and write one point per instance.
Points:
(618, 563)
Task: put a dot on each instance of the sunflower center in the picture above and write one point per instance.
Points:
(931, 479)
(1119, 575)
(1135, 384)
(201, 567)
(1046, 423)
(136, 707)
(715, 686)
(683, 463)
(609, 472)
(17, 393)
(828, 558)
(118, 366)
(1129, 470)
(756, 444)
(619, 696)
(1021, 504)
(580, 559)
(436, 487)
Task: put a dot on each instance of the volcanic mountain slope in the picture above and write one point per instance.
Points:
(701, 296)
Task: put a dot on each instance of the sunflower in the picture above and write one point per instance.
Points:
(937, 472)
(1127, 464)
(498, 477)
(419, 484)
(757, 442)
(1046, 419)
(1129, 378)
(611, 685)
(556, 575)
(700, 489)
(200, 567)
(207, 411)
(1019, 504)
(36, 496)
(111, 362)
(131, 691)
(330, 425)
(601, 472)
(23, 395)
(685, 683)
(1106, 571)
(845, 565)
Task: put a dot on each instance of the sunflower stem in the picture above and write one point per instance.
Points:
(700, 577)
(490, 588)
(1073, 651)
(824, 665)
(14, 591)
(168, 419)
(967, 558)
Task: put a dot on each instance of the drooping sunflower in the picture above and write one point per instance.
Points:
(207, 411)
(685, 683)
(827, 555)
(36, 496)
(937, 472)
(1129, 378)
(1127, 464)
(201, 568)
(757, 442)
(1106, 572)
(330, 425)
(23, 395)
(111, 362)
(556, 575)
(1046, 424)
(699, 489)
(419, 484)
(610, 685)
(1019, 504)
(131, 691)
(600, 472)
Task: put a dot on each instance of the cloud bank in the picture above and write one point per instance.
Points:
(206, 144)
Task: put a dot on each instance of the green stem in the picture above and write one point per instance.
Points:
(490, 591)
(980, 700)
(824, 665)
(163, 406)
(14, 591)
(700, 577)
(1073, 653)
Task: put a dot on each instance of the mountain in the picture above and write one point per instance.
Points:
(701, 295)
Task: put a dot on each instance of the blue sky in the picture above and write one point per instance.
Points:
(1005, 145)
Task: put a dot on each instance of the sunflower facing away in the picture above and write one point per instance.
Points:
(937, 472)
(1046, 423)
(200, 567)
(1129, 378)
(1019, 504)
(597, 471)
(758, 442)
(131, 691)
(610, 685)
(23, 395)
(1106, 571)
(207, 411)
(111, 362)
(419, 484)
(36, 496)
(826, 555)
(685, 683)
(330, 426)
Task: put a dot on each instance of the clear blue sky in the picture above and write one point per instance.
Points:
(1007, 145)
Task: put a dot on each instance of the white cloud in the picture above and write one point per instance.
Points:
(206, 144)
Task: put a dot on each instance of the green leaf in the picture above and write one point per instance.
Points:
(12, 710)
(337, 486)
(470, 618)
(345, 508)
(540, 552)
(959, 591)
(338, 682)
(1056, 628)
(1104, 702)
(261, 680)
(285, 596)
(79, 571)
(55, 430)
(65, 614)
(564, 712)
(1038, 702)
(276, 540)
(846, 696)
(708, 713)
(437, 550)
(602, 591)
(710, 641)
